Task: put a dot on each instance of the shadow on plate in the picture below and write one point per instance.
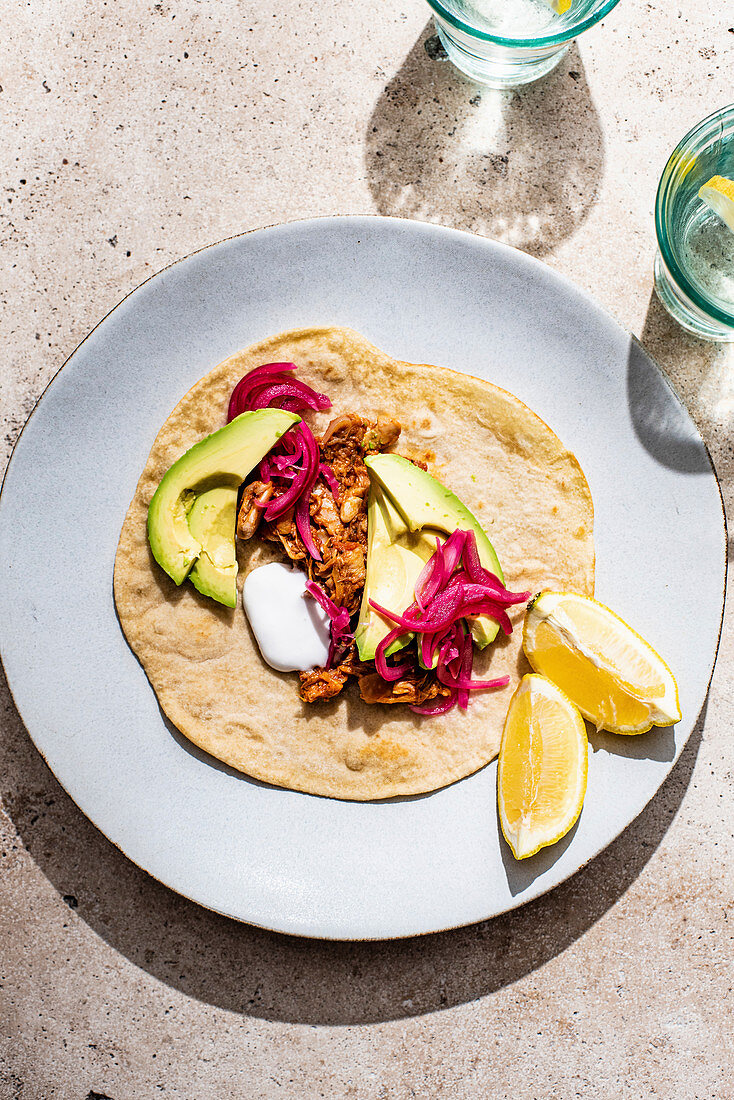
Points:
(523, 167)
(703, 375)
(275, 977)
(657, 744)
(521, 873)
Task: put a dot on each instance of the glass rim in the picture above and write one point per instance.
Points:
(556, 39)
(687, 144)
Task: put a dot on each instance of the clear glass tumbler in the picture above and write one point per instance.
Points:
(503, 43)
(694, 267)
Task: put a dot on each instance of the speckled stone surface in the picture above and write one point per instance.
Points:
(132, 133)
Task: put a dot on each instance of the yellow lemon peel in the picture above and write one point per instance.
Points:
(718, 194)
(542, 769)
(614, 676)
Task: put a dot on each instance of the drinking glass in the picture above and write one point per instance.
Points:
(503, 43)
(694, 267)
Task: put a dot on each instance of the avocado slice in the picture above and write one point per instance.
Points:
(212, 522)
(223, 458)
(428, 506)
(395, 558)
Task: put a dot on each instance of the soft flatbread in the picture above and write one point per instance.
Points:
(527, 490)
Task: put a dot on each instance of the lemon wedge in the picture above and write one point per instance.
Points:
(541, 775)
(718, 194)
(560, 7)
(613, 676)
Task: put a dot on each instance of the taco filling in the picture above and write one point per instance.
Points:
(374, 486)
(338, 525)
(331, 504)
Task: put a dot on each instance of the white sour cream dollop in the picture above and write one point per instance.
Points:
(290, 627)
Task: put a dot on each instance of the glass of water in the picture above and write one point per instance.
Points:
(503, 43)
(694, 267)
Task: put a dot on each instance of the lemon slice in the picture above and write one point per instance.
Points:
(560, 7)
(541, 775)
(613, 676)
(718, 193)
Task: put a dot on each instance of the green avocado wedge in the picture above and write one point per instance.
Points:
(222, 459)
(427, 506)
(395, 558)
(212, 522)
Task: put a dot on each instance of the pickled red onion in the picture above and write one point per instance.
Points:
(297, 459)
(340, 627)
(328, 475)
(308, 455)
(386, 671)
(302, 519)
(452, 586)
(249, 393)
(441, 705)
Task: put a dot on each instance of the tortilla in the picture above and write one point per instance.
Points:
(527, 490)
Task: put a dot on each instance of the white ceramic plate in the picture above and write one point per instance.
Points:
(294, 862)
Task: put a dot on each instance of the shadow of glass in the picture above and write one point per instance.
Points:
(702, 373)
(661, 427)
(523, 167)
(275, 977)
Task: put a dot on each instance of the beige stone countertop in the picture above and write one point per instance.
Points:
(132, 133)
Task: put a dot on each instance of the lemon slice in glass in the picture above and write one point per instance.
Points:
(560, 7)
(541, 775)
(718, 194)
(613, 676)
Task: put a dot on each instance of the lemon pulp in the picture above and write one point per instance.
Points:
(613, 676)
(541, 775)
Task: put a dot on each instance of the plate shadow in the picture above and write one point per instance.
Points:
(271, 976)
(523, 166)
